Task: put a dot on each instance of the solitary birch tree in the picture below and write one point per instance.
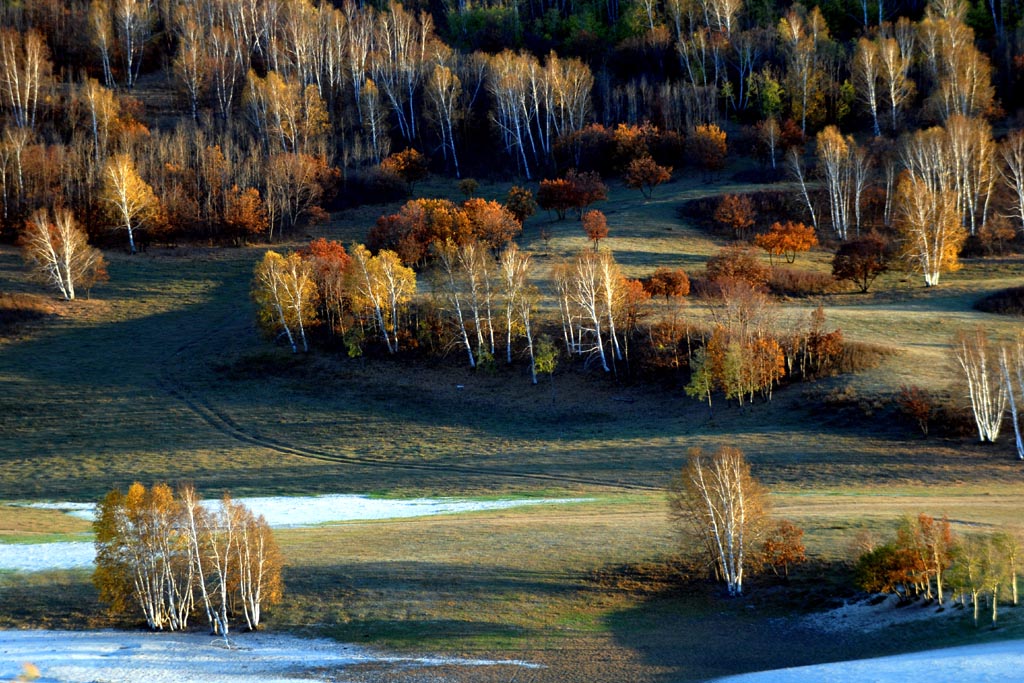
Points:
(986, 389)
(59, 254)
(929, 227)
(716, 499)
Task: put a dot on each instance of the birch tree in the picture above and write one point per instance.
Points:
(519, 299)
(129, 199)
(59, 254)
(894, 67)
(257, 560)
(1011, 365)
(452, 285)
(142, 556)
(719, 502)
(866, 71)
(101, 31)
(443, 92)
(24, 74)
(587, 295)
(1012, 173)
(986, 389)
(835, 161)
(132, 24)
(382, 285)
(929, 228)
(155, 548)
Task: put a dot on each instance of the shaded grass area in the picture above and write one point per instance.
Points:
(52, 600)
(1004, 302)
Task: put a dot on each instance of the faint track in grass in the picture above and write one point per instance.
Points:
(226, 426)
(223, 424)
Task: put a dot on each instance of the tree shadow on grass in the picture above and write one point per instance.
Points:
(703, 636)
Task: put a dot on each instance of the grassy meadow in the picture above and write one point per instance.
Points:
(163, 376)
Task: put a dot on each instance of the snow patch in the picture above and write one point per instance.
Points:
(864, 616)
(300, 511)
(985, 663)
(117, 657)
(36, 557)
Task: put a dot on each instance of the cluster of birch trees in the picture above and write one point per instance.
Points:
(166, 556)
(937, 187)
(324, 282)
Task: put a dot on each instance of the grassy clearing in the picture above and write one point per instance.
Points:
(29, 525)
(163, 376)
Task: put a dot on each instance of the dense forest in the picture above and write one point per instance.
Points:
(132, 122)
(284, 109)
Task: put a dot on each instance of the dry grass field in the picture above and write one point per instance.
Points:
(163, 376)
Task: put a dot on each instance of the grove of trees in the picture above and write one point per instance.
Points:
(166, 557)
(927, 560)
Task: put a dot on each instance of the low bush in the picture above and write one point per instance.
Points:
(795, 282)
(1004, 302)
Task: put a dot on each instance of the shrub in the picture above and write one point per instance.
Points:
(596, 226)
(519, 201)
(738, 264)
(862, 260)
(707, 147)
(794, 282)
(915, 403)
(787, 239)
(736, 213)
(667, 282)
(558, 195)
(783, 547)
(1004, 302)
(409, 165)
(645, 174)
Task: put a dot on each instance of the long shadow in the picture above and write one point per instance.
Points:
(80, 402)
(419, 604)
(700, 638)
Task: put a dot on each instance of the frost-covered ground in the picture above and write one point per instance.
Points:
(280, 512)
(115, 657)
(985, 663)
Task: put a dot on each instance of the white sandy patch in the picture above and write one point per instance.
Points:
(117, 657)
(989, 662)
(279, 511)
